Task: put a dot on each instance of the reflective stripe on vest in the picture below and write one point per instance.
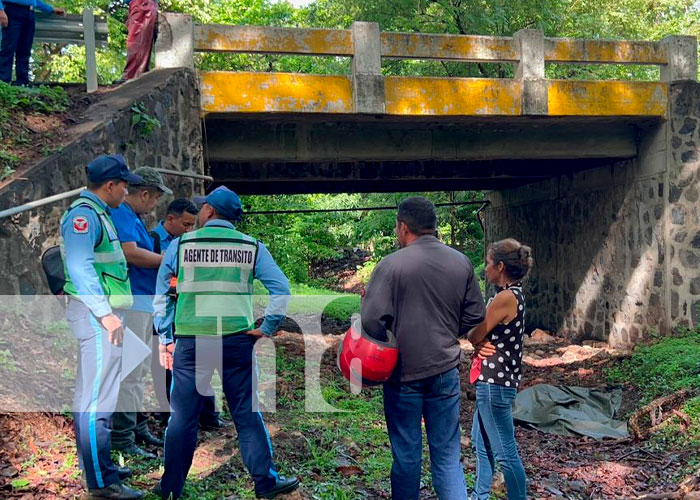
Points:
(215, 282)
(110, 263)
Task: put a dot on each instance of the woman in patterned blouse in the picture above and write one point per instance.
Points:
(498, 376)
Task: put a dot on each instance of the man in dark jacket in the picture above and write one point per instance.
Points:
(428, 295)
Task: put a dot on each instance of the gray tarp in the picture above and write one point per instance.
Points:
(570, 411)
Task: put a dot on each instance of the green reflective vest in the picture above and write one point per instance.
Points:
(215, 282)
(110, 263)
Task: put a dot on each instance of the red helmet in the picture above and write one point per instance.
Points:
(364, 360)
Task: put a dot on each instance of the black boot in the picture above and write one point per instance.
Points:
(117, 491)
(147, 438)
(136, 451)
(284, 485)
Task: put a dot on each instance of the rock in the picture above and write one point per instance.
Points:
(539, 352)
(541, 336)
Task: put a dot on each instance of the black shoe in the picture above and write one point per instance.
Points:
(149, 439)
(118, 82)
(214, 425)
(284, 485)
(136, 451)
(118, 491)
(124, 473)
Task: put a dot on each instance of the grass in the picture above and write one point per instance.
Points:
(667, 366)
(41, 99)
(662, 368)
(307, 300)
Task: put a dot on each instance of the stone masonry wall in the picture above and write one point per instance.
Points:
(683, 230)
(598, 244)
(171, 96)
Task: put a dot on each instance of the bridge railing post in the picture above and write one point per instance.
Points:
(90, 50)
(368, 83)
(530, 71)
(175, 42)
(682, 54)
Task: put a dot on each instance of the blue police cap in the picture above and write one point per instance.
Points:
(109, 168)
(200, 199)
(226, 203)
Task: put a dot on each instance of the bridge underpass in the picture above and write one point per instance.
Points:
(258, 154)
(599, 177)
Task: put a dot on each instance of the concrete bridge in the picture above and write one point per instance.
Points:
(369, 132)
(601, 178)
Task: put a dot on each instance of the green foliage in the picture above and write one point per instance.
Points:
(141, 122)
(19, 484)
(297, 241)
(609, 19)
(42, 99)
(8, 162)
(662, 368)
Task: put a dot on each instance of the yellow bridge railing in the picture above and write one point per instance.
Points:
(367, 91)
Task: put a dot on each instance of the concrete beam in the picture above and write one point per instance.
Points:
(606, 98)
(368, 82)
(251, 140)
(452, 96)
(682, 54)
(449, 47)
(228, 92)
(573, 50)
(272, 40)
(237, 92)
(368, 176)
(175, 42)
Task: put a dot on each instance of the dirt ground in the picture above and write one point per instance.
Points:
(37, 445)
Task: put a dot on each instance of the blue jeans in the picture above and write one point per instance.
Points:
(493, 436)
(436, 399)
(16, 45)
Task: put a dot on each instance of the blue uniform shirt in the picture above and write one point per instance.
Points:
(266, 270)
(165, 237)
(80, 255)
(36, 4)
(143, 279)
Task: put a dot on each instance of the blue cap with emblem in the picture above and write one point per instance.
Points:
(109, 168)
(226, 203)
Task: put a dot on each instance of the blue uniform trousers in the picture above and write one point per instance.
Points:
(16, 43)
(96, 391)
(194, 363)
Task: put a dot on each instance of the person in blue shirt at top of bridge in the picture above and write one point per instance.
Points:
(215, 326)
(129, 423)
(18, 25)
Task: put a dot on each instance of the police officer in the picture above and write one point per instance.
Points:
(215, 267)
(180, 218)
(98, 286)
(129, 423)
